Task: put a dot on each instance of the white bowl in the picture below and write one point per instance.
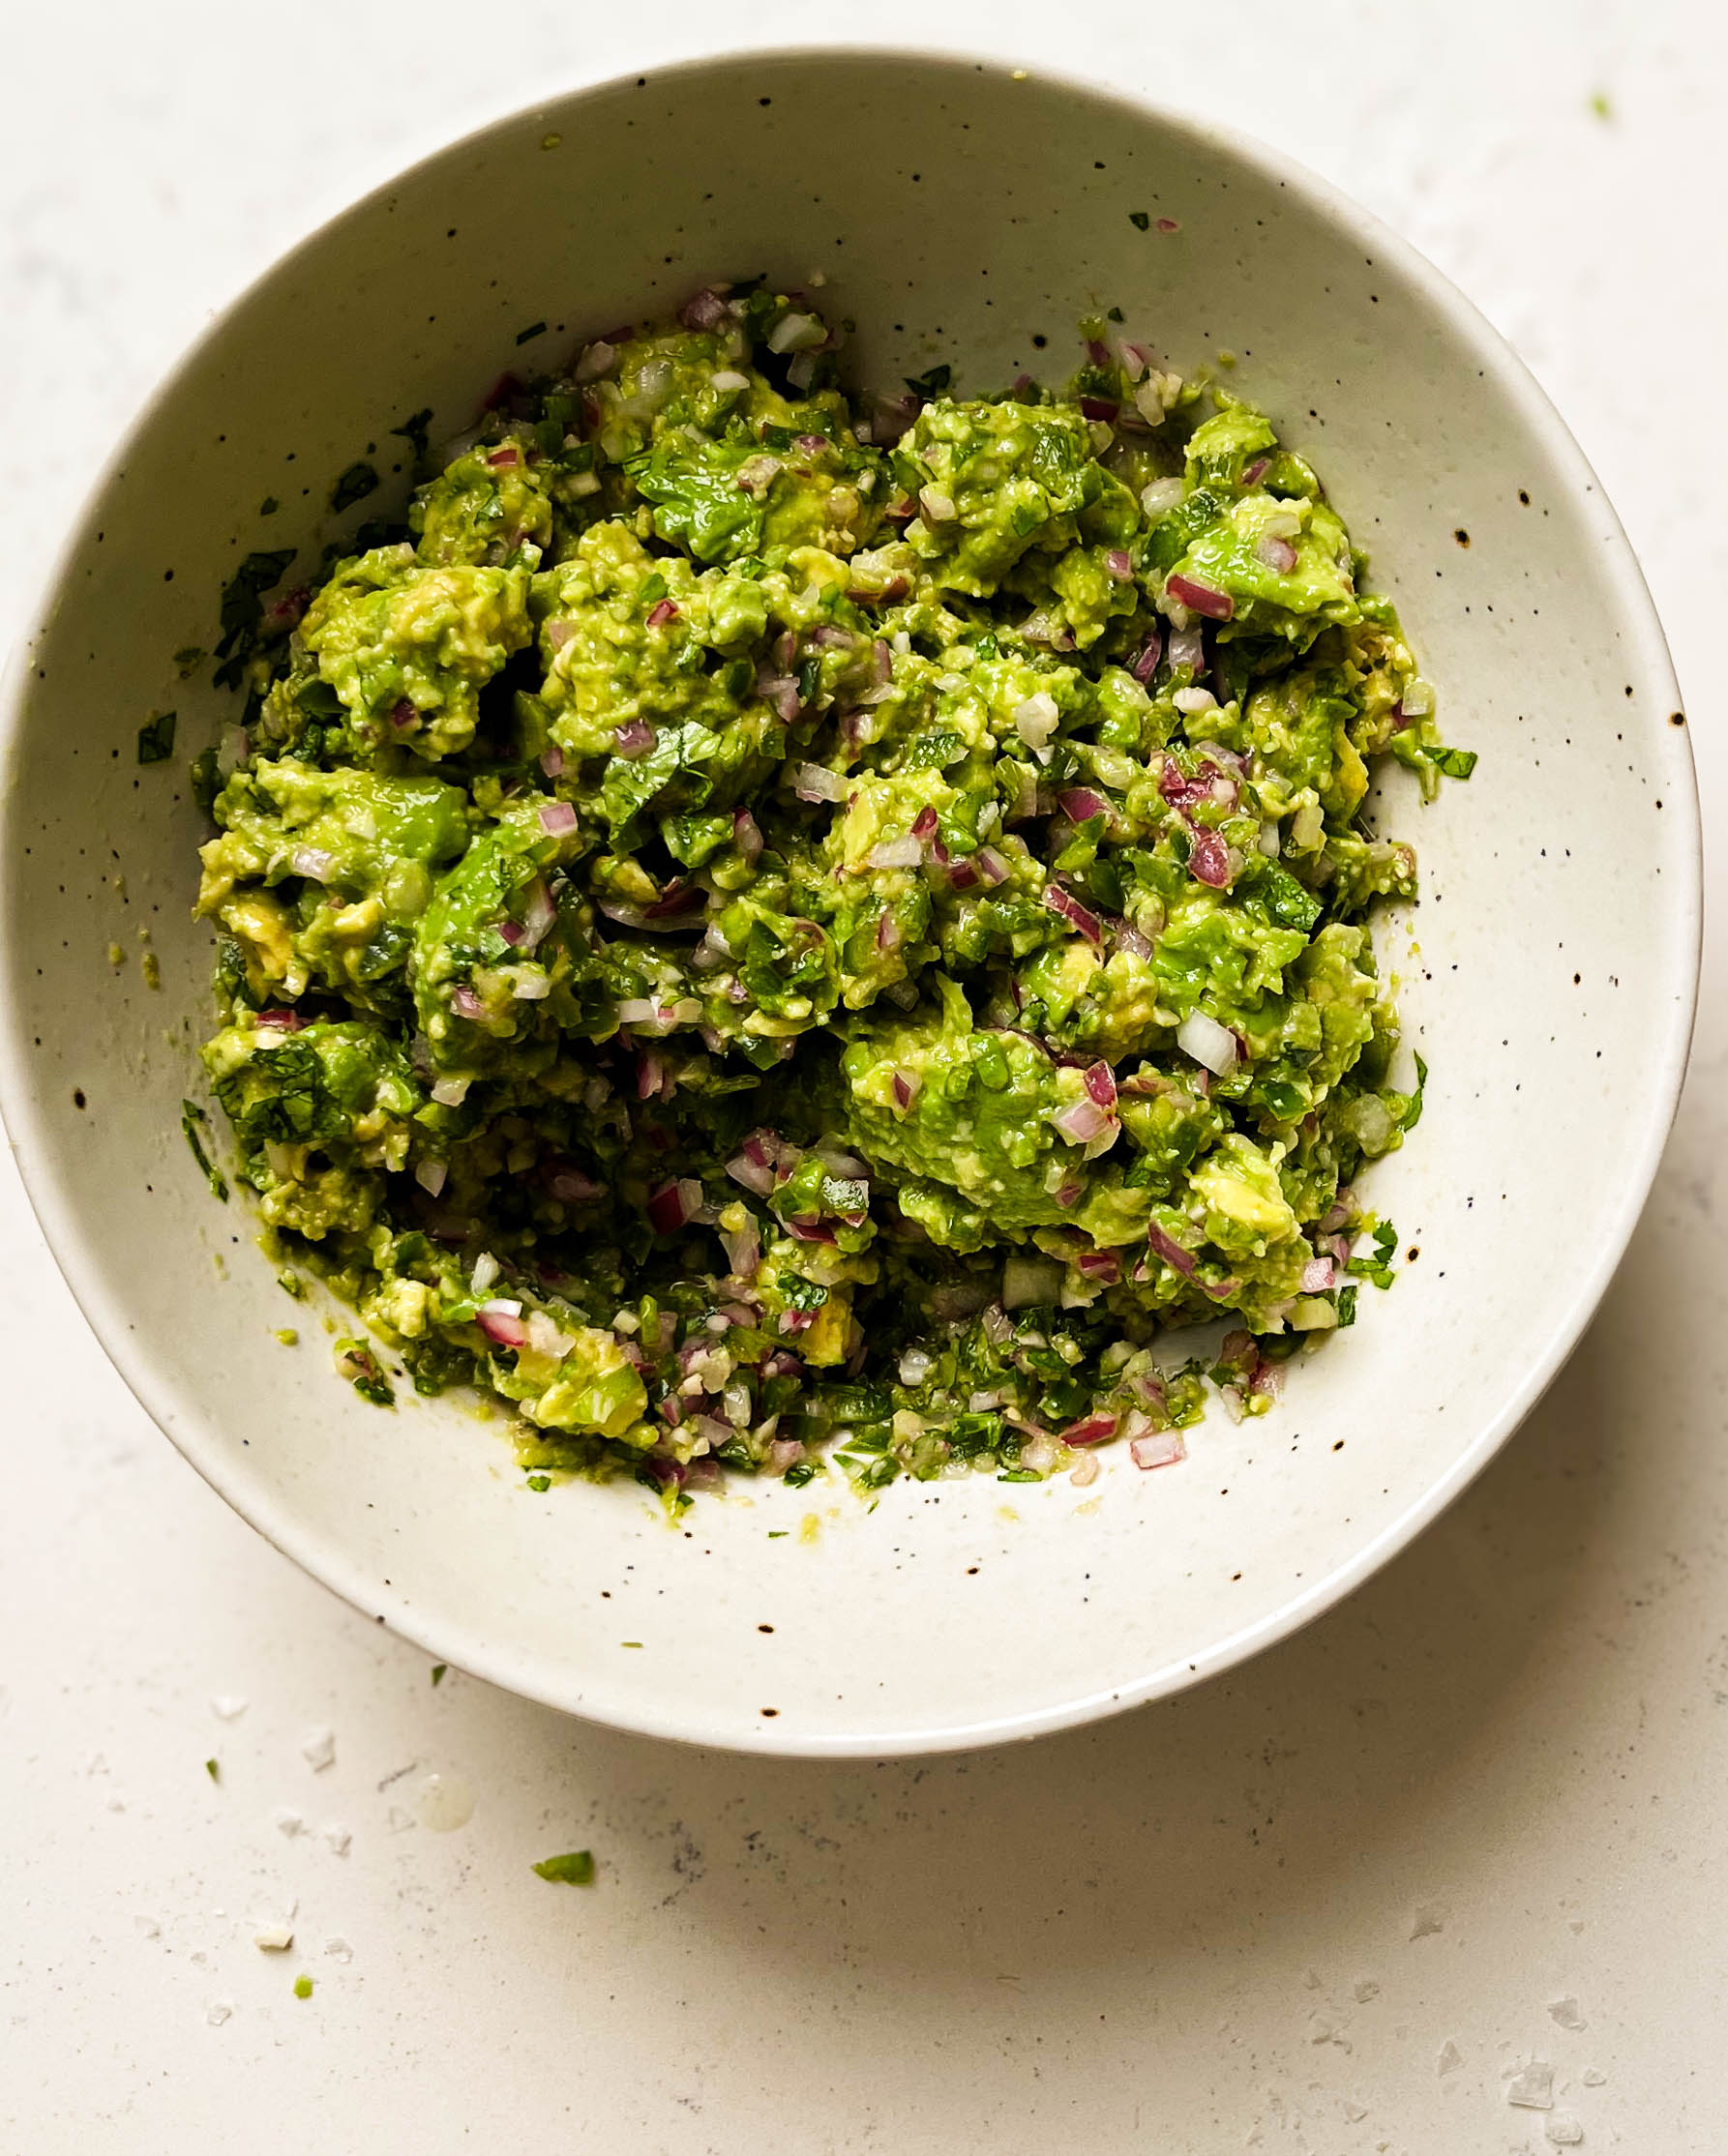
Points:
(955, 211)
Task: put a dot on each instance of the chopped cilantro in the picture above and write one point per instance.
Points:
(1412, 1115)
(414, 432)
(576, 1868)
(303, 1987)
(361, 1368)
(213, 1769)
(437, 1671)
(155, 738)
(932, 383)
(533, 330)
(191, 1116)
(1455, 763)
(801, 1472)
(539, 1481)
(188, 660)
(269, 506)
(354, 486)
(778, 1534)
(1115, 315)
(1347, 1307)
(243, 609)
(1020, 1474)
(1141, 220)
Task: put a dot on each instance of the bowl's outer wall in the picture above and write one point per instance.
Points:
(1548, 975)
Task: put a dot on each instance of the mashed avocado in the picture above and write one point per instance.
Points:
(763, 923)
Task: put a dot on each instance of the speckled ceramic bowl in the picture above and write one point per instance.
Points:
(957, 211)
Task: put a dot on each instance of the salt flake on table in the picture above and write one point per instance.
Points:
(218, 2012)
(1563, 2129)
(1565, 2011)
(337, 1839)
(287, 1822)
(1592, 2079)
(1450, 2059)
(1365, 1988)
(319, 1749)
(339, 1950)
(228, 1706)
(1532, 2086)
(1430, 1917)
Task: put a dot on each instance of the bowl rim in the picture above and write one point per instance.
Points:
(145, 1373)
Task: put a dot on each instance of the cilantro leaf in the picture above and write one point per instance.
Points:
(575, 1868)
(155, 738)
(931, 383)
(192, 1115)
(354, 485)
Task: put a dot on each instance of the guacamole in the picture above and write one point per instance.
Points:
(765, 927)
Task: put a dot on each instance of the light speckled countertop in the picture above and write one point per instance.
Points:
(1469, 1821)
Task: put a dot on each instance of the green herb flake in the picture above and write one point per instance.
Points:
(415, 431)
(1454, 764)
(191, 1120)
(1141, 220)
(533, 330)
(576, 1868)
(539, 1481)
(1115, 315)
(213, 1768)
(354, 486)
(1412, 1115)
(1020, 1474)
(269, 506)
(932, 383)
(1347, 1307)
(1600, 106)
(188, 659)
(155, 738)
(778, 1534)
(357, 1363)
(303, 1987)
(438, 1672)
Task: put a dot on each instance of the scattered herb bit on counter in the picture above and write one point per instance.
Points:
(155, 737)
(770, 928)
(213, 1769)
(437, 1671)
(303, 1987)
(192, 1121)
(576, 1868)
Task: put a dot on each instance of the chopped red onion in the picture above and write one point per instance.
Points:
(781, 693)
(1073, 912)
(1080, 804)
(1252, 474)
(557, 819)
(1147, 664)
(501, 1323)
(1202, 599)
(280, 1022)
(1129, 938)
(706, 310)
(1120, 566)
(1171, 1251)
(1208, 860)
(500, 459)
(552, 761)
(1316, 1275)
(1084, 1123)
(662, 610)
(1100, 1083)
(746, 834)
(569, 1184)
(1100, 1265)
(1099, 407)
(906, 1088)
(673, 1205)
(467, 1004)
(1158, 1448)
(991, 865)
(924, 823)
(1278, 554)
(809, 1230)
(1092, 1429)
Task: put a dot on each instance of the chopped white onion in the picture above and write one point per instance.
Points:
(1161, 496)
(450, 1092)
(430, 1174)
(815, 781)
(1208, 1043)
(486, 1271)
(1035, 719)
(797, 333)
(897, 853)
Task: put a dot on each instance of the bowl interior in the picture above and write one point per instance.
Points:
(1547, 975)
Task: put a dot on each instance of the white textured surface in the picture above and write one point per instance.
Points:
(1329, 1903)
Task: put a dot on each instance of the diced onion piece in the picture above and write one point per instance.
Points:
(797, 333)
(558, 818)
(729, 382)
(312, 862)
(937, 505)
(1276, 553)
(1418, 701)
(1160, 1448)
(1194, 699)
(450, 1092)
(1203, 598)
(897, 853)
(1162, 495)
(430, 1174)
(1035, 719)
(1316, 1275)
(815, 781)
(1209, 1044)
(595, 361)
